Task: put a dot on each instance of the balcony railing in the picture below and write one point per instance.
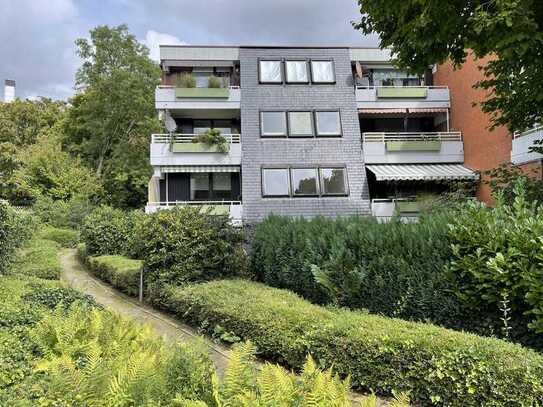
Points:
(405, 97)
(521, 151)
(406, 209)
(411, 136)
(188, 138)
(232, 209)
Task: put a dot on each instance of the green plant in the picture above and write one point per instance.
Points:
(213, 137)
(14, 230)
(38, 258)
(214, 82)
(432, 364)
(504, 178)
(185, 80)
(62, 214)
(64, 237)
(119, 271)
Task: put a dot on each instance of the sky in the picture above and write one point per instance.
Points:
(37, 36)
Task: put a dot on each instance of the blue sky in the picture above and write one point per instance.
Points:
(37, 36)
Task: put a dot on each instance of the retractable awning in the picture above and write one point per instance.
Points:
(200, 168)
(366, 110)
(421, 172)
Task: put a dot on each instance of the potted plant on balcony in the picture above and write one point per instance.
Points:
(213, 137)
(186, 80)
(214, 82)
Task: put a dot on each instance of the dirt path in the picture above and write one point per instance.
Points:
(75, 275)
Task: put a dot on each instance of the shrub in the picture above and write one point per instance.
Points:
(64, 237)
(433, 365)
(214, 82)
(38, 258)
(51, 297)
(186, 80)
(107, 231)
(395, 269)
(119, 271)
(62, 214)
(15, 227)
(213, 137)
(185, 245)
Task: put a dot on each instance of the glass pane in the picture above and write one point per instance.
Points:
(275, 182)
(224, 126)
(304, 181)
(274, 124)
(199, 186)
(201, 126)
(297, 71)
(221, 181)
(328, 123)
(202, 79)
(322, 71)
(333, 181)
(300, 124)
(270, 71)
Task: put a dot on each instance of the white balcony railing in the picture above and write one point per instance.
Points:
(411, 136)
(384, 209)
(402, 97)
(400, 87)
(521, 151)
(231, 208)
(198, 98)
(188, 138)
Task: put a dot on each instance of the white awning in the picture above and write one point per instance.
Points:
(200, 168)
(422, 172)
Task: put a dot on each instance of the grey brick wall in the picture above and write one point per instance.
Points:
(258, 152)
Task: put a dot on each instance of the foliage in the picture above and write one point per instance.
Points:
(213, 137)
(15, 228)
(214, 82)
(433, 365)
(112, 116)
(107, 231)
(52, 297)
(62, 214)
(504, 178)
(185, 245)
(38, 258)
(185, 80)
(421, 33)
(119, 271)
(394, 269)
(64, 237)
(499, 252)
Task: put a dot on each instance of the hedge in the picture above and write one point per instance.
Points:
(64, 237)
(435, 365)
(119, 271)
(38, 258)
(15, 228)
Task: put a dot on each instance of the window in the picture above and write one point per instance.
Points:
(328, 124)
(304, 181)
(202, 76)
(270, 72)
(333, 181)
(199, 186)
(300, 124)
(222, 185)
(224, 126)
(273, 123)
(275, 182)
(201, 126)
(322, 72)
(297, 72)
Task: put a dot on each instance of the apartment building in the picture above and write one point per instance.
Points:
(305, 131)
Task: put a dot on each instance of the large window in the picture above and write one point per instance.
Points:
(270, 72)
(273, 124)
(199, 187)
(275, 182)
(300, 124)
(304, 182)
(322, 72)
(222, 185)
(297, 72)
(201, 126)
(328, 123)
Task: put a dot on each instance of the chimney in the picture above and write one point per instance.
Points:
(9, 90)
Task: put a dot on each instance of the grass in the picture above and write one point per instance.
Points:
(64, 237)
(38, 258)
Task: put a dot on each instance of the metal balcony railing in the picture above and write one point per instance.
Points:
(411, 136)
(527, 132)
(188, 138)
(399, 87)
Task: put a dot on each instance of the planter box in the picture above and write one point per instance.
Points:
(215, 209)
(204, 93)
(430, 145)
(399, 92)
(196, 148)
(407, 207)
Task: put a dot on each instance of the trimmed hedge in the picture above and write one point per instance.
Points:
(435, 365)
(38, 258)
(64, 237)
(15, 229)
(119, 271)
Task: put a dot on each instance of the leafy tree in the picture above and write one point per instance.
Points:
(113, 115)
(508, 32)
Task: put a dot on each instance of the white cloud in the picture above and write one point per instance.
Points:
(153, 39)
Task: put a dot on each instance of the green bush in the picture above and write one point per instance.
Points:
(214, 82)
(62, 214)
(186, 80)
(15, 227)
(394, 269)
(107, 231)
(185, 245)
(38, 258)
(433, 365)
(51, 297)
(119, 271)
(64, 237)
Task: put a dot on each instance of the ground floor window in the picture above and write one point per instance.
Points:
(205, 186)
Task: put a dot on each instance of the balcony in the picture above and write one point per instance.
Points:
(181, 149)
(172, 98)
(404, 208)
(402, 97)
(413, 148)
(232, 209)
(522, 142)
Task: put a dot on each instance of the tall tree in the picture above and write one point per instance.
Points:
(113, 114)
(424, 32)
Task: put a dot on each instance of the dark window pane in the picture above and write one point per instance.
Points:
(328, 124)
(274, 124)
(275, 182)
(199, 186)
(333, 181)
(304, 181)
